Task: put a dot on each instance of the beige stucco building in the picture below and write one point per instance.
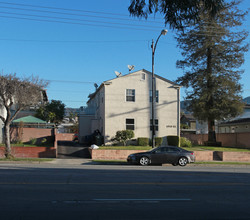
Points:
(125, 103)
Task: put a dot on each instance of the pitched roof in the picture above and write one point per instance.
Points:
(148, 72)
(237, 121)
(92, 95)
(30, 120)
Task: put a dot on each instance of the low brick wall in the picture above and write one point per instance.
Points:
(236, 156)
(203, 155)
(101, 154)
(64, 136)
(112, 154)
(226, 139)
(25, 134)
(31, 152)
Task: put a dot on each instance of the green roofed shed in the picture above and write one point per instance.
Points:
(30, 120)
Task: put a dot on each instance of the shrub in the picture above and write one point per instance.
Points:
(173, 140)
(17, 141)
(124, 136)
(158, 141)
(142, 141)
(184, 126)
(184, 142)
(43, 141)
(33, 141)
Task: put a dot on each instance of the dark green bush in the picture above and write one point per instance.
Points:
(158, 141)
(173, 140)
(142, 141)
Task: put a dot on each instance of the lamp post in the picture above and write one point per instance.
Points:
(153, 46)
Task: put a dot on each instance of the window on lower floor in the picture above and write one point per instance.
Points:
(130, 124)
(156, 125)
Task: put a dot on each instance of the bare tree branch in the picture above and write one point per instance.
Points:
(16, 94)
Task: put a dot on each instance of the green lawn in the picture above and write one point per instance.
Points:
(28, 145)
(28, 159)
(126, 148)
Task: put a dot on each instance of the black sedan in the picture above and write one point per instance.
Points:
(160, 155)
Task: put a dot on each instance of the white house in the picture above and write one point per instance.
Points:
(125, 103)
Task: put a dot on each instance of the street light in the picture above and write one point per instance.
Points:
(163, 32)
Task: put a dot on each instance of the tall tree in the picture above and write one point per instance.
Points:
(177, 13)
(52, 111)
(213, 52)
(16, 94)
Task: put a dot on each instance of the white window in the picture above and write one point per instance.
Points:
(130, 124)
(130, 95)
(156, 96)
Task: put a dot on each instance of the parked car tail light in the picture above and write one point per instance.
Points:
(192, 153)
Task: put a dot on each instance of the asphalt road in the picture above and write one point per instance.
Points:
(87, 191)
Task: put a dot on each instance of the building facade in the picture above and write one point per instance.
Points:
(125, 103)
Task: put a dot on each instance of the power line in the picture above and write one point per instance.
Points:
(68, 9)
(66, 81)
(73, 41)
(63, 9)
(82, 15)
(74, 19)
(75, 23)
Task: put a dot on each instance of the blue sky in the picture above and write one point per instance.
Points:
(83, 43)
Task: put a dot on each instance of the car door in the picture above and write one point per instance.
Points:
(173, 154)
(157, 156)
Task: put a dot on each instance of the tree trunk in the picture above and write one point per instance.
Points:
(7, 141)
(211, 132)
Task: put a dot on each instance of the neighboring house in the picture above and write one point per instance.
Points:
(238, 124)
(188, 123)
(125, 103)
(29, 111)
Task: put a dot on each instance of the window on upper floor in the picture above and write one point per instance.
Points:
(130, 95)
(156, 96)
(143, 76)
(130, 124)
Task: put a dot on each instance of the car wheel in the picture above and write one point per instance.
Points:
(144, 161)
(182, 161)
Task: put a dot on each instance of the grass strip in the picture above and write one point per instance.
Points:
(28, 159)
(146, 148)
(223, 163)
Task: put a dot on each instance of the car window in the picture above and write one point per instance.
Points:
(172, 149)
(161, 150)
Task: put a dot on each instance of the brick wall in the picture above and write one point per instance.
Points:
(112, 154)
(64, 136)
(31, 152)
(123, 154)
(227, 139)
(203, 155)
(26, 134)
(236, 156)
